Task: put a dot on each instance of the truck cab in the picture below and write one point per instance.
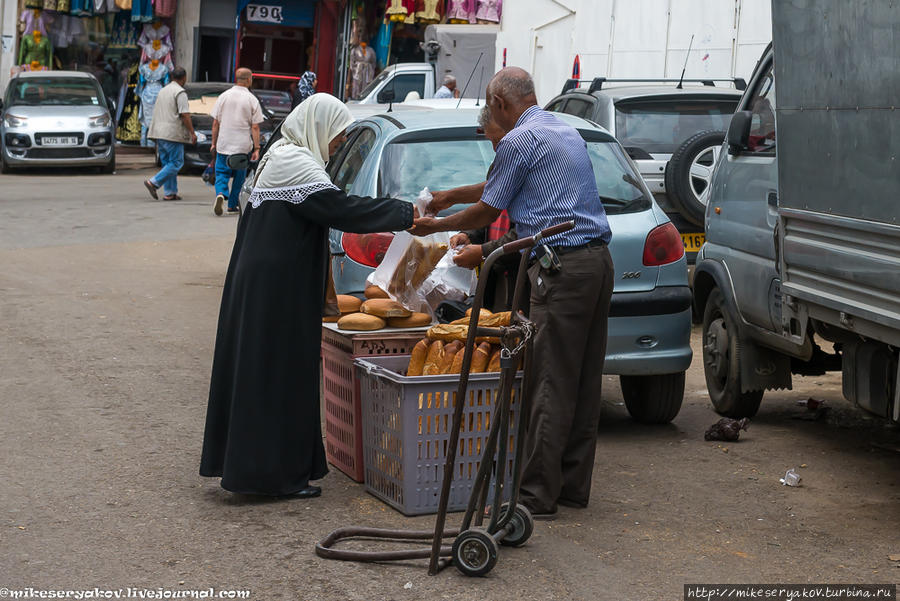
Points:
(402, 79)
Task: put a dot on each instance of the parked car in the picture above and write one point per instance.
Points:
(56, 119)
(201, 99)
(277, 102)
(672, 131)
(397, 154)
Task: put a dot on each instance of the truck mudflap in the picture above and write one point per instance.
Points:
(763, 368)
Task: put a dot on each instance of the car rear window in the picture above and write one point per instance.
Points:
(35, 91)
(661, 127)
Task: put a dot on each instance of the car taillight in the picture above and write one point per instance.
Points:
(663, 245)
(366, 249)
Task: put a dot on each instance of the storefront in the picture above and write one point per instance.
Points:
(127, 45)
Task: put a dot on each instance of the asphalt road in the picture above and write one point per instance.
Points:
(108, 307)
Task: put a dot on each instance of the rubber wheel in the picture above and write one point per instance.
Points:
(721, 361)
(4, 167)
(689, 173)
(110, 167)
(653, 399)
(475, 552)
(522, 526)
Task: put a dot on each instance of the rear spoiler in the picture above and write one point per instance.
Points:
(597, 82)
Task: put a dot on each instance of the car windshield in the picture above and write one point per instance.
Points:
(63, 91)
(445, 164)
(274, 100)
(374, 83)
(662, 126)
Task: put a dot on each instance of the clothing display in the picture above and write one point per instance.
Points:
(489, 11)
(142, 10)
(82, 8)
(50, 5)
(151, 82)
(399, 10)
(157, 50)
(31, 20)
(65, 29)
(429, 11)
(164, 8)
(63, 6)
(124, 33)
(123, 4)
(129, 129)
(156, 30)
(461, 11)
(382, 43)
(34, 3)
(36, 48)
(362, 69)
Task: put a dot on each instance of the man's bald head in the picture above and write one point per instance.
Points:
(243, 77)
(509, 93)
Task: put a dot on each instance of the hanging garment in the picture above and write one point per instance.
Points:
(429, 11)
(34, 3)
(124, 32)
(489, 10)
(151, 82)
(123, 4)
(82, 8)
(33, 51)
(63, 6)
(50, 5)
(129, 129)
(382, 43)
(150, 33)
(362, 69)
(28, 22)
(164, 8)
(163, 54)
(461, 11)
(142, 10)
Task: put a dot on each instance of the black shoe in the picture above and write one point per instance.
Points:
(571, 503)
(234, 210)
(307, 493)
(151, 188)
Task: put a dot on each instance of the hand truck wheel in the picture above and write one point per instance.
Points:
(475, 552)
(522, 526)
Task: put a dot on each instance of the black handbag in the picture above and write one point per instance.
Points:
(238, 162)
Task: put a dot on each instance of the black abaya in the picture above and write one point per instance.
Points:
(263, 430)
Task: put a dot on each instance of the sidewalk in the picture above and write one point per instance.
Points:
(134, 157)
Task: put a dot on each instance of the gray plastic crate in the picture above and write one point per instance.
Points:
(406, 431)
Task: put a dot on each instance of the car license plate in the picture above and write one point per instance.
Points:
(692, 242)
(59, 141)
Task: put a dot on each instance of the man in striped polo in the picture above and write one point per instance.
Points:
(543, 176)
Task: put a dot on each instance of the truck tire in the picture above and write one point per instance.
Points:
(689, 172)
(721, 361)
(653, 399)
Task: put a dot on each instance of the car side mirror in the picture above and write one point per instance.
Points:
(739, 131)
(386, 96)
(112, 105)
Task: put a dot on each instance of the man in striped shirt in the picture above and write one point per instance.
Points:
(543, 176)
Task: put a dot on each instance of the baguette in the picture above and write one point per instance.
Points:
(456, 367)
(417, 359)
(449, 332)
(487, 319)
(451, 349)
(481, 314)
(384, 308)
(494, 363)
(433, 359)
(374, 291)
(360, 322)
(416, 320)
(348, 304)
(480, 358)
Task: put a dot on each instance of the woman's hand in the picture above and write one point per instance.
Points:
(469, 257)
(460, 239)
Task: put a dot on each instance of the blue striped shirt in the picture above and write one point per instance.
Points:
(543, 176)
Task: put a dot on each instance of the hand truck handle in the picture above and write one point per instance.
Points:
(524, 243)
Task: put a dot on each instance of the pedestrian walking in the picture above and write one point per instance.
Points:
(235, 138)
(543, 176)
(305, 88)
(172, 129)
(263, 428)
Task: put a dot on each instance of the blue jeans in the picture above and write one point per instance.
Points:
(223, 174)
(171, 155)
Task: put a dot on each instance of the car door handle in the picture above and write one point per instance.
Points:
(772, 198)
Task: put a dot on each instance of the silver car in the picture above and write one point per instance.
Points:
(56, 119)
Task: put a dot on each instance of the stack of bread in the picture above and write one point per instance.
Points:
(375, 313)
(441, 352)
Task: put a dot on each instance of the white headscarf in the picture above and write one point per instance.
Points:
(294, 167)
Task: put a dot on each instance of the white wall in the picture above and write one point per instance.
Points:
(9, 51)
(632, 38)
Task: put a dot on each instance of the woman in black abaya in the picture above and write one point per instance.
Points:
(263, 430)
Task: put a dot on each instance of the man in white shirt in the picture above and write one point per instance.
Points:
(448, 90)
(236, 118)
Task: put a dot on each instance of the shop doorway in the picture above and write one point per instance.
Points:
(276, 51)
(214, 51)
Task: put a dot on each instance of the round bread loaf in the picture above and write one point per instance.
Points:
(384, 307)
(348, 304)
(416, 320)
(375, 292)
(360, 322)
(331, 318)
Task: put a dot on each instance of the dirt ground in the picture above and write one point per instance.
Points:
(108, 307)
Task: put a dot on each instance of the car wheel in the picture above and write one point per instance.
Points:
(110, 167)
(721, 361)
(689, 174)
(653, 399)
(4, 166)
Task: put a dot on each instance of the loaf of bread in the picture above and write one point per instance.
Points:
(331, 318)
(456, 366)
(434, 359)
(375, 292)
(450, 332)
(360, 322)
(384, 308)
(416, 320)
(481, 314)
(494, 363)
(487, 319)
(417, 359)
(415, 265)
(480, 358)
(348, 304)
(451, 349)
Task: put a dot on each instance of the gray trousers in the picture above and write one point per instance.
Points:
(570, 309)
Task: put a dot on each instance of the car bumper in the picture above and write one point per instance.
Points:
(70, 156)
(649, 333)
(197, 158)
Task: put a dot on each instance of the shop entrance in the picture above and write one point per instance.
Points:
(275, 50)
(214, 49)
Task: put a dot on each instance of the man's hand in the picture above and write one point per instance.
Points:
(193, 138)
(422, 226)
(460, 239)
(440, 201)
(469, 257)
(255, 156)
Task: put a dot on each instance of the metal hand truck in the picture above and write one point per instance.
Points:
(475, 548)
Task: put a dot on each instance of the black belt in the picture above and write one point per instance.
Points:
(564, 250)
